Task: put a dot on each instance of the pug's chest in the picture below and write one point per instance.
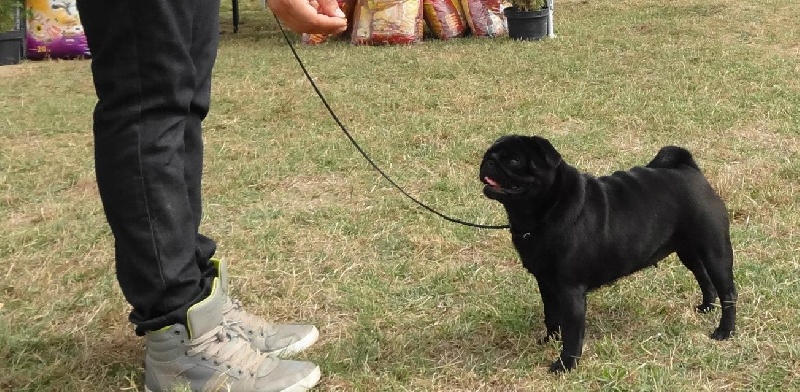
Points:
(536, 256)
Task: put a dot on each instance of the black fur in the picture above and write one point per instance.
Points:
(575, 232)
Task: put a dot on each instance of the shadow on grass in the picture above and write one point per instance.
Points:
(491, 335)
(38, 360)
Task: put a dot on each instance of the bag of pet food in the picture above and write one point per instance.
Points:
(387, 22)
(315, 39)
(485, 17)
(445, 18)
(55, 31)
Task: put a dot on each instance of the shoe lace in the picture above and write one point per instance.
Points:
(236, 312)
(227, 344)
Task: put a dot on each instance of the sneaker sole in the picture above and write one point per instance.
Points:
(307, 383)
(298, 346)
(303, 385)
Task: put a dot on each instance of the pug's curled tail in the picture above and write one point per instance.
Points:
(672, 157)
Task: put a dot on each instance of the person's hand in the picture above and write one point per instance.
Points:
(310, 16)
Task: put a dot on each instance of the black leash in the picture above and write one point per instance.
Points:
(364, 154)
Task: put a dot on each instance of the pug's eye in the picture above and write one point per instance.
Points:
(514, 162)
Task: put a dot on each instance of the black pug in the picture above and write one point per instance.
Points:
(575, 232)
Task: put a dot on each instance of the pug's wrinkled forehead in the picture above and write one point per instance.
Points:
(505, 140)
(537, 151)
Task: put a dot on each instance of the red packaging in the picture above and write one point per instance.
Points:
(445, 18)
(485, 17)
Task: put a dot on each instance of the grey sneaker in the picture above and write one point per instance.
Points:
(273, 339)
(211, 355)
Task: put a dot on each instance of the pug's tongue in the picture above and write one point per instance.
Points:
(491, 182)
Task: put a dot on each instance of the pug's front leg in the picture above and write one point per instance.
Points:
(552, 313)
(572, 302)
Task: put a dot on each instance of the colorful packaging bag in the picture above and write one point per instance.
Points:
(316, 39)
(387, 22)
(445, 18)
(485, 17)
(55, 30)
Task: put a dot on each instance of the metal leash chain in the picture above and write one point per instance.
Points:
(364, 154)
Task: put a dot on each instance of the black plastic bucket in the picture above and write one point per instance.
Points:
(11, 47)
(526, 25)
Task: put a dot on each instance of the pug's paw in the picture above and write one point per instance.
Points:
(562, 365)
(704, 307)
(721, 334)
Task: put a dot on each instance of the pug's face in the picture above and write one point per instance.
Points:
(518, 168)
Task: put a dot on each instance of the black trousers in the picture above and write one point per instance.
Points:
(151, 64)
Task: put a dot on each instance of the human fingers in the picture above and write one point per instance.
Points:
(330, 8)
(300, 16)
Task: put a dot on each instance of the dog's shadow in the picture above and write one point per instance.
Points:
(513, 331)
(492, 334)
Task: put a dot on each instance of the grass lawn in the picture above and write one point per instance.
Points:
(406, 301)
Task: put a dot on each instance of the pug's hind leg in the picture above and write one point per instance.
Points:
(719, 264)
(693, 262)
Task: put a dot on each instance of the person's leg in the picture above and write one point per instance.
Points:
(275, 339)
(153, 87)
(144, 77)
(203, 51)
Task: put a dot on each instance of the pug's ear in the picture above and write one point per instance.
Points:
(551, 157)
(545, 151)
